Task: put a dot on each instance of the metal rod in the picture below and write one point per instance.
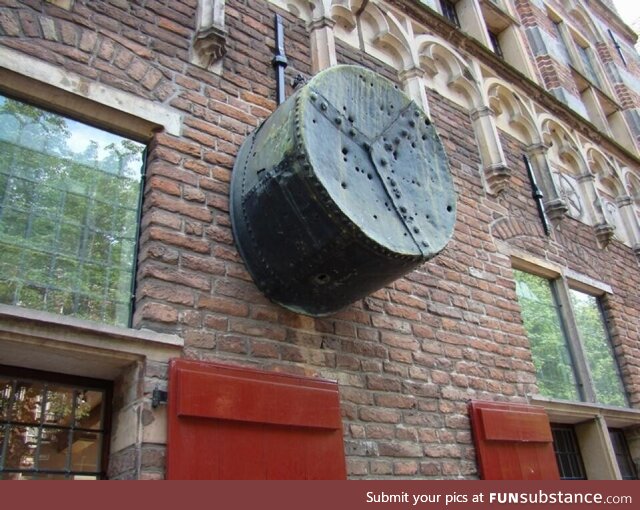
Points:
(537, 196)
(618, 47)
(280, 60)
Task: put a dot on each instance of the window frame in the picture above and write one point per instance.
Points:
(561, 282)
(76, 381)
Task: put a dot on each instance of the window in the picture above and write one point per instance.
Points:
(495, 44)
(51, 427)
(545, 330)
(570, 345)
(597, 347)
(587, 64)
(623, 458)
(449, 11)
(69, 207)
(565, 445)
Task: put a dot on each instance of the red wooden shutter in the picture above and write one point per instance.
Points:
(513, 441)
(228, 422)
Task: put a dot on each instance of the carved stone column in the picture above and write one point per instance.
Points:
(554, 204)
(209, 45)
(323, 44)
(414, 86)
(604, 230)
(496, 172)
(625, 206)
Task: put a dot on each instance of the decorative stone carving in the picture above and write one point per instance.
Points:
(209, 45)
(496, 172)
(605, 233)
(556, 209)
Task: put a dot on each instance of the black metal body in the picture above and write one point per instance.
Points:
(345, 188)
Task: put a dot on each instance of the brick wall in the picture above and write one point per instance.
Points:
(407, 358)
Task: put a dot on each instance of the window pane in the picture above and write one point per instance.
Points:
(85, 454)
(27, 403)
(551, 355)
(59, 407)
(54, 449)
(21, 447)
(604, 371)
(89, 410)
(6, 386)
(68, 204)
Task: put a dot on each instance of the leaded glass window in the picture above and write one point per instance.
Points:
(69, 196)
(543, 323)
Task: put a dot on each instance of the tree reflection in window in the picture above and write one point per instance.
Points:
(69, 198)
(597, 346)
(542, 322)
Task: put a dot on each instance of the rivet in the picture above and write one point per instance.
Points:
(392, 182)
(338, 121)
(403, 210)
(323, 106)
(388, 146)
(383, 162)
(416, 230)
(412, 123)
(313, 96)
(352, 132)
(404, 133)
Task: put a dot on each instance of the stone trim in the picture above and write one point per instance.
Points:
(46, 341)
(115, 109)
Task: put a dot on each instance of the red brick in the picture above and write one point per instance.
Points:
(192, 243)
(223, 305)
(158, 312)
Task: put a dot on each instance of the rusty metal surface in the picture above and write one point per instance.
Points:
(345, 188)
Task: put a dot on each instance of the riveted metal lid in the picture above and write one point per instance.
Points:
(380, 159)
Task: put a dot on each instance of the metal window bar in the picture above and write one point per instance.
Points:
(568, 457)
(8, 422)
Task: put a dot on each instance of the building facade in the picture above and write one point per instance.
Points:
(132, 334)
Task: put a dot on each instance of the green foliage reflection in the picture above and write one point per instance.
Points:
(68, 200)
(551, 355)
(602, 364)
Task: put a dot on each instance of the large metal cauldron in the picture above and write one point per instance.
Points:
(342, 190)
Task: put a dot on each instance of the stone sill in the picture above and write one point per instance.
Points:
(564, 411)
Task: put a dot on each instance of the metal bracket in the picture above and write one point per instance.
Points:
(158, 397)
